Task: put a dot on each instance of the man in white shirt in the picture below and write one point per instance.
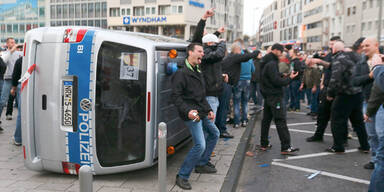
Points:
(9, 57)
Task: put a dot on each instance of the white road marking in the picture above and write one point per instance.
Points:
(343, 177)
(300, 113)
(297, 124)
(313, 155)
(309, 132)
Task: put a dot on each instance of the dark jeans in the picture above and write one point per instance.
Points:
(276, 110)
(295, 94)
(308, 94)
(222, 111)
(255, 94)
(315, 101)
(323, 113)
(344, 107)
(11, 99)
(286, 94)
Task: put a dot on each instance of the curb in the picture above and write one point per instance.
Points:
(232, 178)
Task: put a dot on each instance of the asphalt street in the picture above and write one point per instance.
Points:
(271, 172)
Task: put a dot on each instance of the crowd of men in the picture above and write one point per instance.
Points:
(344, 83)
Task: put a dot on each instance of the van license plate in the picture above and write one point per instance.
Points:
(67, 103)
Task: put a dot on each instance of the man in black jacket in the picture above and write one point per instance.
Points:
(16, 90)
(272, 83)
(189, 96)
(347, 101)
(297, 66)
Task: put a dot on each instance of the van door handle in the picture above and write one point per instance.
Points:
(44, 102)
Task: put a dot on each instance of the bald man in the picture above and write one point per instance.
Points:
(347, 101)
(370, 48)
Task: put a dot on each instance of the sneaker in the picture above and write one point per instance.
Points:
(205, 169)
(236, 126)
(244, 124)
(350, 136)
(265, 148)
(333, 150)
(15, 142)
(314, 139)
(369, 165)
(211, 165)
(183, 183)
(8, 117)
(290, 151)
(226, 135)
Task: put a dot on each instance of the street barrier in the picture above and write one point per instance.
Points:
(162, 169)
(86, 179)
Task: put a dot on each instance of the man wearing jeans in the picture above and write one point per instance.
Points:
(188, 94)
(9, 57)
(16, 90)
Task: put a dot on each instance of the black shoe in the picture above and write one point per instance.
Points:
(265, 148)
(205, 169)
(310, 113)
(314, 138)
(333, 150)
(209, 164)
(369, 165)
(244, 124)
(226, 135)
(1, 129)
(290, 151)
(363, 150)
(183, 183)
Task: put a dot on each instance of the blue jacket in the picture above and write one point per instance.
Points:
(247, 68)
(378, 75)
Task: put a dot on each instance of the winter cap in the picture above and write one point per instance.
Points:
(210, 38)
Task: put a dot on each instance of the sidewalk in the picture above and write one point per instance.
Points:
(14, 177)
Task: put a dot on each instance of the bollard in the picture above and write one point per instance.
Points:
(162, 153)
(85, 179)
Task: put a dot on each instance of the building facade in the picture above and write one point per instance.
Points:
(175, 18)
(269, 33)
(291, 19)
(17, 17)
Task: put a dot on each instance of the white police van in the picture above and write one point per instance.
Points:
(96, 97)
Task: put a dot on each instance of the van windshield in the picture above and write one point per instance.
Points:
(120, 104)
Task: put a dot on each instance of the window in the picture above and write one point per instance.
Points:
(104, 9)
(77, 23)
(91, 10)
(90, 22)
(174, 9)
(122, 12)
(97, 10)
(71, 10)
(349, 11)
(128, 11)
(84, 23)
(97, 23)
(354, 10)
(53, 11)
(22, 28)
(65, 11)
(65, 23)
(58, 11)
(363, 26)
(41, 12)
(147, 11)
(70, 23)
(138, 11)
(165, 9)
(370, 3)
(348, 29)
(369, 25)
(77, 11)
(364, 5)
(84, 10)
(15, 28)
(180, 9)
(153, 11)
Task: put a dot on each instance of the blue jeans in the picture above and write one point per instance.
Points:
(1, 86)
(295, 95)
(5, 91)
(202, 148)
(373, 138)
(377, 178)
(315, 101)
(222, 111)
(17, 134)
(308, 93)
(241, 94)
(213, 102)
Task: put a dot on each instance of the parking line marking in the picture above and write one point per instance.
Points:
(310, 132)
(300, 113)
(343, 177)
(296, 124)
(313, 155)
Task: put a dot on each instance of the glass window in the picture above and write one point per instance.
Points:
(65, 23)
(41, 12)
(369, 25)
(97, 10)
(126, 95)
(354, 10)
(91, 12)
(180, 9)
(71, 10)
(84, 10)
(53, 11)
(122, 12)
(138, 11)
(104, 23)
(53, 24)
(128, 11)
(15, 28)
(22, 27)
(77, 23)
(174, 9)
(97, 23)
(70, 23)
(84, 23)
(58, 11)
(165, 10)
(364, 5)
(58, 23)
(77, 11)
(104, 9)
(147, 11)
(363, 26)
(90, 22)
(153, 11)
(370, 3)
(65, 11)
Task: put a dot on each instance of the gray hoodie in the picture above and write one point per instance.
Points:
(10, 60)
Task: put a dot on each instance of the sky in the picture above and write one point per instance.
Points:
(252, 13)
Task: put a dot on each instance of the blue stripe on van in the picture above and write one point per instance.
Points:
(79, 65)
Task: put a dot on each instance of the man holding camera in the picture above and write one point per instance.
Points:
(9, 57)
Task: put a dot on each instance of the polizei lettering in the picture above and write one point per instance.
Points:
(84, 139)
